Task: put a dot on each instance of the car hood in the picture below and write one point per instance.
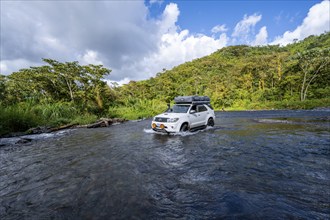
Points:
(170, 115)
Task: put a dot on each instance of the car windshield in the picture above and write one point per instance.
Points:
(179, 109)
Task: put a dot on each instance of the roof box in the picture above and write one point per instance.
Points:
(192, 100)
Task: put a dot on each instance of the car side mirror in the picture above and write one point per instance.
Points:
(192, 111)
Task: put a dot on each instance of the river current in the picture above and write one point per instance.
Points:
(251, 165)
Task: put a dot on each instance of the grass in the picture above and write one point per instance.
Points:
(15, 119)
(141, 109)
(22, 116)
(147, 108)
(273, 105)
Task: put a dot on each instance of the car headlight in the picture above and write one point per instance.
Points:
(171, 120)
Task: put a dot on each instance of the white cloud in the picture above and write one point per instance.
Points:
(169, 18)
(316, 22)
(174, 47)
(3, 67)
(112, 83)
(219, 28)
(261, 37)
(244, 27)
(9, 66)
(120, 35)
(117, 34)
(156, 2)
(178, 48)
(90, 57)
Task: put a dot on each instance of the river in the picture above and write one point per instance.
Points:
(251, 165)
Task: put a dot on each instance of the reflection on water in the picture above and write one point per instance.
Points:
(251, 165)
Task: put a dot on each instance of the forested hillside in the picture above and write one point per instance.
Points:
(243, 77)
(234, 77)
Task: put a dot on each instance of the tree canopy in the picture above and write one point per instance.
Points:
(232, 77)
(54, 82)
(238, 74)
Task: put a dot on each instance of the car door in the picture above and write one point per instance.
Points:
(194, 117)
(202, 115)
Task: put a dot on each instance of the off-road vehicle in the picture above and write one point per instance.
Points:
(189, 113)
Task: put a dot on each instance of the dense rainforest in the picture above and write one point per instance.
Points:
(240, 77)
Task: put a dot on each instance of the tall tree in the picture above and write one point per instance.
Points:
(2, 87)
(312, 63)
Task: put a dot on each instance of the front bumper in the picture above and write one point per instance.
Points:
(165, 127)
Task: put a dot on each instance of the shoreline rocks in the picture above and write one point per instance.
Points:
(105, 122)
(102, 122)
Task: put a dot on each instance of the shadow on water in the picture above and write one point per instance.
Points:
(251, 165)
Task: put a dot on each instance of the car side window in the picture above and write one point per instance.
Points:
(201, 108)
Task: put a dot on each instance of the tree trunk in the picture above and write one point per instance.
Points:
(70, 89)
(98, 99)
(302, 91)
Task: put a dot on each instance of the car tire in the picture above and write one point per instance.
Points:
(184, 127)
(210, 122)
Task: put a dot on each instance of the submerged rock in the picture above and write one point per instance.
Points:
(105, 122)
(38, 130)
(23, 141)
(102, 122)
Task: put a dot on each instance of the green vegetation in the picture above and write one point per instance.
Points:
(53, 95)
(235, 78)
(22, 116)
(243, 77)
(139, 109)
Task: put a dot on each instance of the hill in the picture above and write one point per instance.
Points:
(244, 77)
(239, 77)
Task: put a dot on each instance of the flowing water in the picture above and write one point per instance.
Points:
(251, 165)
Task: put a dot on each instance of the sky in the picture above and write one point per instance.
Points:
(137, 39)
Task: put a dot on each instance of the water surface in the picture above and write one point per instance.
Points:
(251, 165)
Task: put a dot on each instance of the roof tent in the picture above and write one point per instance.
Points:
(192, 100)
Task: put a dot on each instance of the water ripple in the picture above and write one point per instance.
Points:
(251, 165)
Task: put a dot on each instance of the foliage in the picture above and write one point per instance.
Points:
(286, 104)
(234, 77)
(25, 115)
(17, 118)
(312, 63)
(138, 109)
(59, 82)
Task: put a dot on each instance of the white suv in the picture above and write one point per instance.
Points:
(189, 113)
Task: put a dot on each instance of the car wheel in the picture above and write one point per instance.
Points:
(210, 122)
(184, 127)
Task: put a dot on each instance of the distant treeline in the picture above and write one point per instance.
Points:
(234, 77)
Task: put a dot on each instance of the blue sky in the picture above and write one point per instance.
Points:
(201, 16)
(137, 39)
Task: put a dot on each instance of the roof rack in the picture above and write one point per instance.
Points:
(192, 100)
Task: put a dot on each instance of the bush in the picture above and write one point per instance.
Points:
(286, 104)
(22, 116)
(141, 109)
(84, 119)
(54, 111)
(17, 119)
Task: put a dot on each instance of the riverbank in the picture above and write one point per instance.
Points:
(245, 105)
(102, 122)
(25, 118)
